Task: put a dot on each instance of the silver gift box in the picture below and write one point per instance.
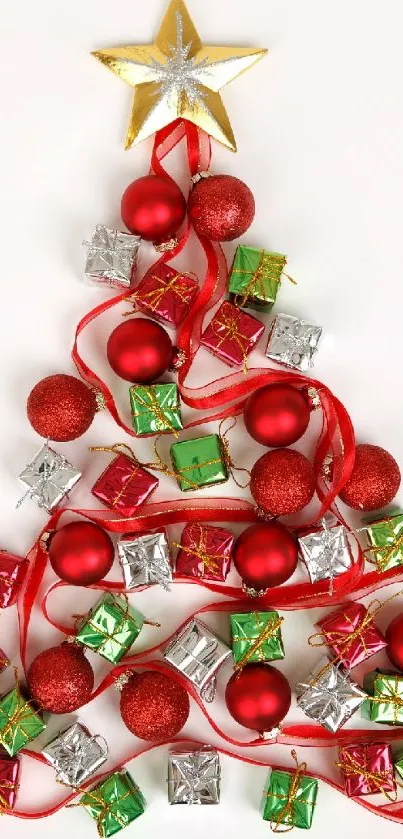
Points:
(329, 695)
(326, 553)
(194, 777)
(198, 654)
(75, 755)
(111, 258)
(48, 478)
(145, 560)
(293, 342)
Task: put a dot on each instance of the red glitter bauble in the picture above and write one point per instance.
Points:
(61, 679)
(221, 208)
(277, 415)
(81, 553)
(153, 706)
(139, 350)
(258, 697)
(61, 407)
(282, 482)
(265, 555)
(374, 481)
(153, 208)
(394, 640)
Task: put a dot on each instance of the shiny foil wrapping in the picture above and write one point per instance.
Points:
(12, 574)
(124, 485)
(232, 334)
(385, 537)
(114, 803)
(194, 777)
(75, 755)
(9, 775)
(145, 560)
(289, 802)
(155, 408)
(255, 277)
(256, 636)
(398, 764)
(4, 661)
(197, 653)
(293, 342)
(205, 552)
(111, 627)
(329, 695)
(199, 462)
(351, 634)
(326, 553)
(49, 478)
(19, 722)
(165, 294)
(385, 702)
(367, 768)
(111, 258)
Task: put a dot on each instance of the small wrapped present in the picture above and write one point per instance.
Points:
(20, 721)
(199, 462)
(125, 484)
(111, 627)
(75, 755)
(385, 537)
(114, 803)
(48, 478)
(145, 560)
(155, 408)
(351, 634)
(367, 768)
(398, 764)
(256, 636)
(9, 774)
(4, 661)
(12, 575)
(197, 653)
(289, 798)
(194, 777)
(385, 703)
(329, 695)
(204, 552)
(255, 277)
(326, 553)
(232, 334)
(111, 258)
(165, 294)
(293, 342)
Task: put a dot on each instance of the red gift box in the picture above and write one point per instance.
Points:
(124, 485)
(205, 552)
(166, 294)
(4, 661)
(367, 768)
(9, 773)
(12, 573)
(351, 634)
(232, 334)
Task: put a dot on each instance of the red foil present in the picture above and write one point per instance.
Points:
(12, 573)
(204, 552)
(124, 485)
(166, 294)
(4, 661)
(9, 773)
(367, 768)
(232, 334)
(351, 634)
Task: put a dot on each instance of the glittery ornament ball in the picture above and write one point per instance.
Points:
(61, 679)
(221, 208)
(153, 706)
(61, 407)
(282, 482)
(374, 481)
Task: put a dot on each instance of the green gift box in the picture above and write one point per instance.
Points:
(111, 627)
(385, 537)
(155, 408)
(199, 463)
(256, 636)
(290, 799)
(255, 277)
(398, 764)
(385, 702)
(20, 722)
(114, 804)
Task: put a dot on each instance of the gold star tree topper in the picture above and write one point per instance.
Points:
(178, 76)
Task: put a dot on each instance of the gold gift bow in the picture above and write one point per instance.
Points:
(229, 321)
(99, 801)
(210, 561)
(6, 785)
(111, 636)
(153, 298)
(153, 407)
(391, 698)
(268, 632)
(288, 809)
(390, 549)
(18, 714)
(123, 448)
(350, 767)
(270, 267)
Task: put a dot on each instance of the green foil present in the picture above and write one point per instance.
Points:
(111, 627)
(385, 537)
(256, 636)
(155, 408)
(114, 804)
(200, 462)
(385, 702)
(398, 764)
(255, 277)
(290, 798)
(20, 722)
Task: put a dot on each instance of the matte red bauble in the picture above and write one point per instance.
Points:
(277, 415)
(394, 640)
(153, 208)
(153, 706)
(265, 555)
(374, 481)
(61, 407)
(258, 697)
(139, 350)
(61, 679)
(81, 553)
(221, 208)
(282, 482)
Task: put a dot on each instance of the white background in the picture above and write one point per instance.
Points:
(319, 128)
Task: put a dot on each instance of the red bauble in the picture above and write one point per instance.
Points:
(265, 555)
(374, 481)
(258, 697)
(277, 415)
(394, 640)
(282, 482)
(153, 208)
(139, 350)
(153, 706)
(81, 553)
(221, 208)
(61, 679)
(61, 407)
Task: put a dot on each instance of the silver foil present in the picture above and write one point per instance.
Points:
(145, 560)
(48, 478)
(198, 654)
(75, 755)
(111, 257)
(293, 342)
(326, 553)
(329, 695)
(194, 777)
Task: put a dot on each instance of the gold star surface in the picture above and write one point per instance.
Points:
(178, 77)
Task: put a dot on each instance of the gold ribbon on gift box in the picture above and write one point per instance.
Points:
(229, 321)
(350, 767)
(210, 561)
(123, 448)
(98, 800)
(111, 636)
(277, 825)
(390, 698)
(19, 712)
(177, 284)
(385, 550)
(269, 631)
(153, 407)
(270, 267)
(6, 786)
